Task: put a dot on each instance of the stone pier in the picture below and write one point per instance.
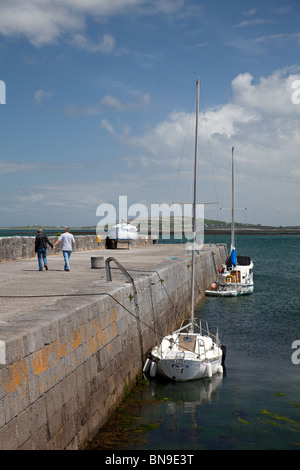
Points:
(72, 342)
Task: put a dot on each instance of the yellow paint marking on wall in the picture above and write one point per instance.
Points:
(44, 357)
(76, 339)
(93, 335)
(62, 347)
(101, 337)
(15, 375)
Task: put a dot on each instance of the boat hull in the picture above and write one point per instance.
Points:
(191, 370)
(229, 291)
(221, 293)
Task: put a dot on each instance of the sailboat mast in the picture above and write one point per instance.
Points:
(232, 203)
(195, 205)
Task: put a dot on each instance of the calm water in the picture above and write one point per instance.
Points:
(256, 405)
(31, 232)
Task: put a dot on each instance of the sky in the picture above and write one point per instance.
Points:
(98, 101)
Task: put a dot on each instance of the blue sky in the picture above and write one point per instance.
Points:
(100, 103)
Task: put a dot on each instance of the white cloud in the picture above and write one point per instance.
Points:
(259, 44)
(46, 21)
(13, 167)
(167, 6)
(260, 121)
(252, 22)
(8, 167)
(100, 7)
(264, 108)
(108, 126)
(250, 12)
(42, 22)
(78, 195)
(110, 102)
(40, 95)
(29, 198)
(106, 44)
(271, 95)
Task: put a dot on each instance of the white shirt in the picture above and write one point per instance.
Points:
(67, 240)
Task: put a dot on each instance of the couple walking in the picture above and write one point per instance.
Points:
(41, 241)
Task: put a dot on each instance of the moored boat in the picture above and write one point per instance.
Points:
(235, 277)
(190, 352)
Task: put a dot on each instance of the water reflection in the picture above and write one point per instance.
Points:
(186, 396)
(179, 411)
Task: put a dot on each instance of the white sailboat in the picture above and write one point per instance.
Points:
(236, 275)
(191, 352)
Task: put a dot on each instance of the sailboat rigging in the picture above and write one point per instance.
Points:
(191, 352)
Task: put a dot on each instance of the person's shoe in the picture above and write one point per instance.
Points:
(67, 269)
(46, 267)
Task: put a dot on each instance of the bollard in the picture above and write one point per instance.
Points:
(97, 262)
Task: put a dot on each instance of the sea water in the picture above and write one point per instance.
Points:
(256, 403)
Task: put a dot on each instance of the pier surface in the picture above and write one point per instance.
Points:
(23, 288)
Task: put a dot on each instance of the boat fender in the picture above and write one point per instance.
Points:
(209, 370)
(147, 366)
(220, 370)
(153, 369)
(224, 354)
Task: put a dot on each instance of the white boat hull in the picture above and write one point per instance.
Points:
(243, 289)
(221, 293)
(229, 291)
(192, 369)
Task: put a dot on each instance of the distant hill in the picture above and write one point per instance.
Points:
(218, 226)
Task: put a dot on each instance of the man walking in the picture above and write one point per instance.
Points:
(68, 241)
(41, 241)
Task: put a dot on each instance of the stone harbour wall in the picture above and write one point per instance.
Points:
(12, 248)
(17, 247)
(68, 365)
